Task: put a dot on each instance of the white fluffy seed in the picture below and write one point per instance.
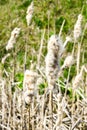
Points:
(55, 49)
(29, 13)
(29, 85)
(69, 61)
(12, 40)
(77, 28)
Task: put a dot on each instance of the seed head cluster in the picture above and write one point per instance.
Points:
(29, 85)
(29, 13)
(77, 28)
(55, 49)
(12, 40)
(79, 78)
(69, 60)
(77, 81)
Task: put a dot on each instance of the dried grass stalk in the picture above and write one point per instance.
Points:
(4, 104)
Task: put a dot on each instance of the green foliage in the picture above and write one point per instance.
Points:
(63, 88)
(2, 51)
(70, 92)
(65, 73)
(3, 2)
(61, 61)
(19, 78)
(72, 72)
(20, 57)
(42, 88)
(25, 4)
(85, 11)
(69, 47)
(38, 22)
(59, 22)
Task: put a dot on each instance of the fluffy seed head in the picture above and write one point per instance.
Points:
(77, 81)
(15, 32)
(55, 49)
(55, 44)
(30, 76)
(29, 13)
(80, 17)
(77, 28)
(28, 18)
(30, 8)
(12, 40)
(27, 100)
(39, 81)
(29, 85)
(68, 61)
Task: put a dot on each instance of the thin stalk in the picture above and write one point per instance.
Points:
(61, 29)
(10, 105)
(73, 107)
(32, 108)
(25, 55)
(14, 63)
(86, 87)
(40, 50)
(14, 110)
(23, 121)
(48, 24)
(54, 26)
(21, 109)
(73, 48)
(67, 81)
(26, 47)
(78, 57)
(4, 106)
(29, 118)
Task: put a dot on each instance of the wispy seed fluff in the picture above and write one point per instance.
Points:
(29, 13)
(69, 61)
(77, 28)
(29, 85)
(12, 40)
(55, 49)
